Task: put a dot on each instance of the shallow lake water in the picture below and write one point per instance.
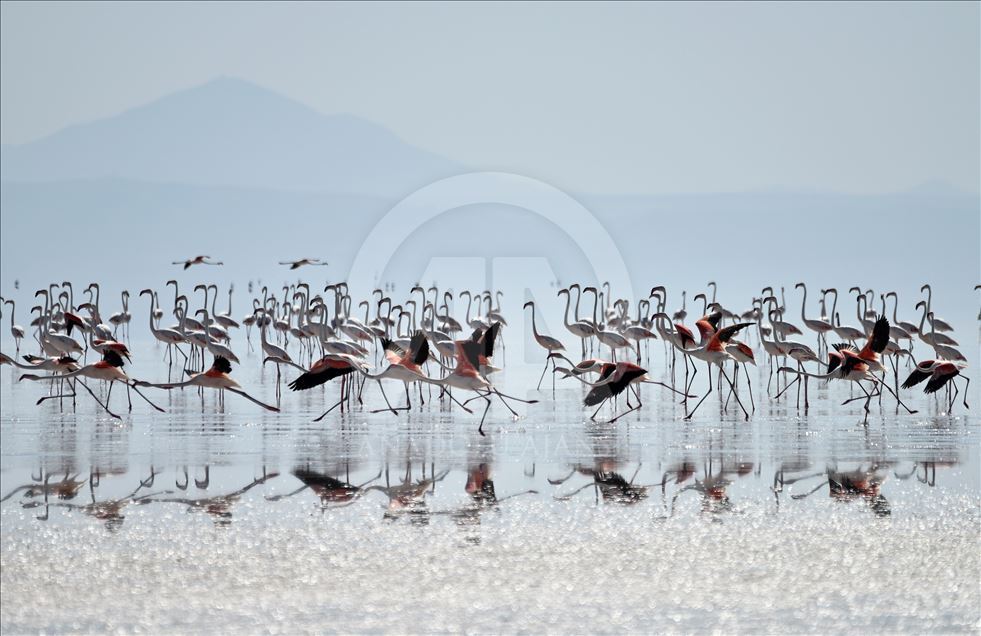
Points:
(201, 520)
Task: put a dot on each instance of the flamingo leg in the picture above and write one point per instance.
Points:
(692, 412)
(593, 417)
(394, 411)
(537, 388)
(104, 406)
(324, 414)
(738, 401)
(749, 385)
(252, 399)
(480, 428)
(140, 393)
(785, 388)
(631, 410)
(889, 388)
(49, 397)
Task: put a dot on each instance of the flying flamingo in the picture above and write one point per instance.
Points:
(197, 260)
(214, 378)
(303, 261)
(550, 344)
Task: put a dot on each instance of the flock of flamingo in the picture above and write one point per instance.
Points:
(321, 337)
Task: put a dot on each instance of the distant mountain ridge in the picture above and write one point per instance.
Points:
(231, 132)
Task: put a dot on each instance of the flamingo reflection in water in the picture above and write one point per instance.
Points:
(482, 497)
(333, 492)
(218, 507)
(713, 486)
(608, 483)
(860, 483)
(109, 511)
(65, 489)
(408, 498)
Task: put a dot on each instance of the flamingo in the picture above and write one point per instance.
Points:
(742, 354)
(15, 330)
(217, 349)
(330, 366)
(847, 363)
(197, 260)
(404, 367)
(121, 318)
(62, 364)
(939, 373)
(303, 261)
(861, 302)
(851, 334)
(896, 332)
(215, 377)
(818, 326)
(944, 351)
(108, 369)
(909, 327)
(941, 325)
(715, 352)
(467, 377)
(614, 379)
(548, 343)
(681, 314)
(170, 337)
(933, 338)
(579, 329)
(225, 319)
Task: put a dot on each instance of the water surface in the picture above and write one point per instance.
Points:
(199, 520)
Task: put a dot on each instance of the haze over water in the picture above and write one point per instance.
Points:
(520, 148)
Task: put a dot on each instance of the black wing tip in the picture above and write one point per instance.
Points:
(597, 395)
(222, 364)
(113, 358)
(915, 378)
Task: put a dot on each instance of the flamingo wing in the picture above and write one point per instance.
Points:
(311, 379)
(419, 348)
(880, 338)
(112, 358)
(222, 364)
(915, 378)
(725, 334)
(488, 339)
(938, 381)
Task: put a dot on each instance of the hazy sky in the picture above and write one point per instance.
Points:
(591, 97)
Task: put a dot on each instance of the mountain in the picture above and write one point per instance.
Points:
(230, 132)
